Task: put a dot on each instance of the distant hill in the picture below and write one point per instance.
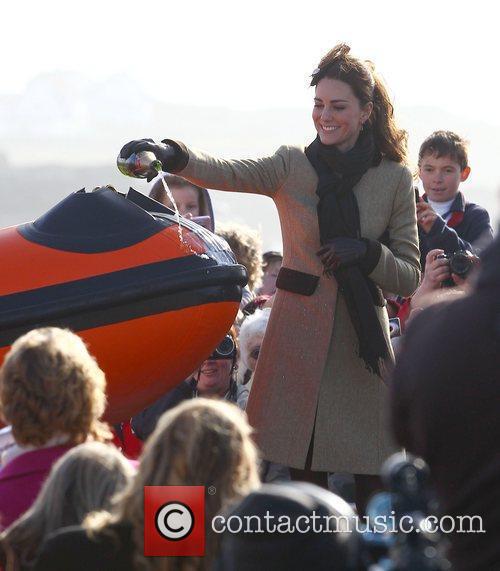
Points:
(64, 132)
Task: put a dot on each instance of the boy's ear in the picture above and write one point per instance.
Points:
(464, 175)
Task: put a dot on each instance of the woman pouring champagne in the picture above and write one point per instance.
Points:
(347, 215)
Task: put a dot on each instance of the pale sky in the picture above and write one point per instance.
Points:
(259, 54)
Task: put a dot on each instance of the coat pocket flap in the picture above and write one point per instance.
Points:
(296, 282)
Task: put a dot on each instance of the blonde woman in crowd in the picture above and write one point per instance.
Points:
(201, 442)
(84, 480)
(52, 395)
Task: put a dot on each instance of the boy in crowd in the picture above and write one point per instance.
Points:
(446, 220)
(271, 264)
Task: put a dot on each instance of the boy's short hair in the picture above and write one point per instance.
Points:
(445, 144)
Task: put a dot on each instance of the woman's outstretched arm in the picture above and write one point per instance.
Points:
(264, 175)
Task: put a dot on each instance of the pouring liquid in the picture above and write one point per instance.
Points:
(177, 218)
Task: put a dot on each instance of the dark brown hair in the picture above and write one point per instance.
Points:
(367, 86)
(445, 144)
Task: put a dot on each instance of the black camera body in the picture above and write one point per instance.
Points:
(460, 263)
(408, 497)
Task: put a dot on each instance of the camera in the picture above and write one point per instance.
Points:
(460, 264)
(408, 499)
(394, 327)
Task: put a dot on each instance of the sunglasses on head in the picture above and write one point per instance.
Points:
(226, 349)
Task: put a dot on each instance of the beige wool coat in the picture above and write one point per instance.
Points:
(309, 378)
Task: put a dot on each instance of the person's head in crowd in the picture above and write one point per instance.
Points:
(52, 388)
(295, 504)
(52, 395)
(84, 480)
(192, 201)
(201, 442)
(252, 332)
(361, 102)
(445, 218)
(443, 165)
(215, 376)
(271, 264)
(246, 245)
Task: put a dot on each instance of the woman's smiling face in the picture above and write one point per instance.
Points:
(215, 377)
(337, 114)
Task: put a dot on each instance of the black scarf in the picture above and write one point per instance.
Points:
(338, 216)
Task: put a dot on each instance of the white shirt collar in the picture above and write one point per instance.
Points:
(442, 208)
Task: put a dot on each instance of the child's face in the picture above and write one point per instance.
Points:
(186, 198)
(441, 177)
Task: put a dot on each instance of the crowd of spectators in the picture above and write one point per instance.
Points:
(71, 487)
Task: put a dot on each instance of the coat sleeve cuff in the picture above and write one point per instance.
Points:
(181, 157)
(372, 256)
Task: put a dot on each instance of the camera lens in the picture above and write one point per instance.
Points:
(460, 264)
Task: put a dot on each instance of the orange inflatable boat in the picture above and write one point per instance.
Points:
(150, 297)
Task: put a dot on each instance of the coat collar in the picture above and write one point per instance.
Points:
(458, 204)
(457, 209)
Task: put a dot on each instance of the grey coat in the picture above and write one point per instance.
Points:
(309, 375)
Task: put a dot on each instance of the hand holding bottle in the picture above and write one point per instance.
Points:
(143, 158)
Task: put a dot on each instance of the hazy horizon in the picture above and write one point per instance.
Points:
(227, 77)
(71, 137)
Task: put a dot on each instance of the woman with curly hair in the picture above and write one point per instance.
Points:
(347, 212)
(246, 245)
(84, 480)
(52, 395)
(201, 442)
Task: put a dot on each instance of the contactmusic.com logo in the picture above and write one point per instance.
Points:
(174, 521)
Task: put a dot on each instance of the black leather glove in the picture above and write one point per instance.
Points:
(172, 155)
(345, 252)
(342, 252)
